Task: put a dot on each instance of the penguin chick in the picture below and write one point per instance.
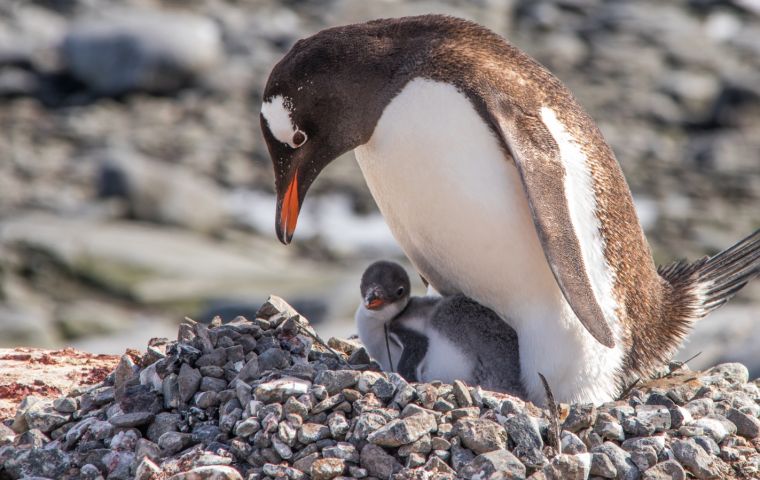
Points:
(432, 338)
(385, 290)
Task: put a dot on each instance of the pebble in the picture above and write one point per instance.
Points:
(698, 462)
(126, 420)
(621, 459)
(499, 461)
(403, 431)
(378, 462)
(746, 426)
(327, 468)
(580, 417)
(667, 470)
(481, 436)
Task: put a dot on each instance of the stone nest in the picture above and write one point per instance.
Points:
(265, 398)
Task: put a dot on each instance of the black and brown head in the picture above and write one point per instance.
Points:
(322, 100)
(385, 283)
(325, 96)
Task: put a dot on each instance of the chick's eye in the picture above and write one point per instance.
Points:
(400, 291)
(299, 138)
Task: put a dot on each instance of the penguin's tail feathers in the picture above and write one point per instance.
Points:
(710, 282)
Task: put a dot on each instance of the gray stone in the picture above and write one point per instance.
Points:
(746, 426)
(608, 428)
(65, 404)
(312, 432)
(188, 381)
(91, 472)
(247, 427)
(209, 472)
(206, 399)
(38, 462)
(700, 407)
(274, 359)
(141, 50)
(707, 443)
(282, 448)
(636, 443)
(147, 470)
(698, 462)
(499, 461)
(717, 426)
(403, 431)
(644, 458)
(571, 444)
(580, 417)
(734, 373)
(30, 439)
(378, 462)
(119, 464)
(216, 357)
(343, 450)
(667, 470)
(173, 442)
(524, 433)
(602, 466)
(327, 468)
(481, 436)
(568, 466)
(651, 419)
(135, 419)
(211, 384)
(42, 416)
(281, 389)
(336, 380)
(170, 391)
(625, 468)
(462, 394)
(383, 389)
(162, 423)
(251, 368)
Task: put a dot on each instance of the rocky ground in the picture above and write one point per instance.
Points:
(47, 373)
(267, 399)
(134, 186)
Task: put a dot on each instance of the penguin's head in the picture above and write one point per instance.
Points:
(322, 100)
(385, 287)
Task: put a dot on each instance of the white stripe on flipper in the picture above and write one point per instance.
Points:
(581, 205)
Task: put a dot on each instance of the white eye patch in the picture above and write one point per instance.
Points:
(276, 112)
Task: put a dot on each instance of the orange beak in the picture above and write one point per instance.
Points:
(375, 303)
(289, 210)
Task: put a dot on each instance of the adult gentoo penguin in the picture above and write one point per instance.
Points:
(435, 338)
(497, 185)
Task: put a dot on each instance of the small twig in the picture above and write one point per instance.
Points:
(681, 364)
(554, 431)
(628, 389)
(324, 344)
(388, 348)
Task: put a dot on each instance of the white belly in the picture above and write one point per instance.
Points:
(456, 206)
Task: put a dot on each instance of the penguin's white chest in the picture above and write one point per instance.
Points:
(456, 205)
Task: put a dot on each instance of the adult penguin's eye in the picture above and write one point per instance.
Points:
(400, 291)
(299, 138)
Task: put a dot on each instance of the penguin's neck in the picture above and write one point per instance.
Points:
(371, 326)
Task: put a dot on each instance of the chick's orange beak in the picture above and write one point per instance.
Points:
(375, 303)
(289, 211)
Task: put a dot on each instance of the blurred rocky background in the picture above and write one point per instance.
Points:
(135, 187)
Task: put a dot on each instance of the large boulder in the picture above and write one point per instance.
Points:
(141, 50)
